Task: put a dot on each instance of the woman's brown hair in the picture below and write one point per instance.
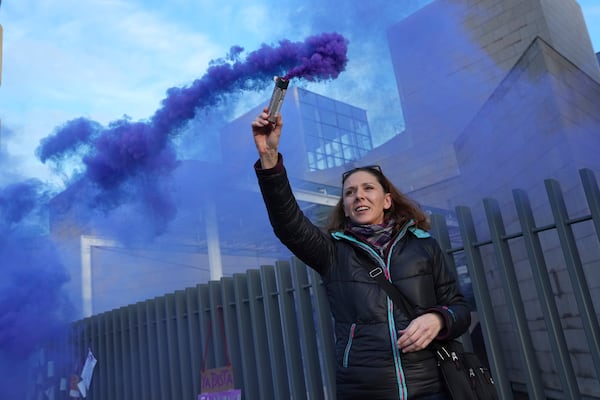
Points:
(402, 209)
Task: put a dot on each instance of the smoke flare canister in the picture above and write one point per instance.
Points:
(279, 90)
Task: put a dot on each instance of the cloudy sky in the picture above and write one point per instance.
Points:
(103, 59)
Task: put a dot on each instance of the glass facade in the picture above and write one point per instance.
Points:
(335, 133)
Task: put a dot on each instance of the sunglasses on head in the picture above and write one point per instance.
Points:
(375, 168)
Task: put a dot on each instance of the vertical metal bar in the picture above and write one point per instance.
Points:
(183, 345)
(125, 351)
(87, 340)
(575, 268)
(118, 355)
(216, 315)
(291, 333)
(82, 345)
(208, 357)
(274, 335)
(325, 334)
(206, 336)
(439, 230)
(193, 327)
(250, 388)
(82, 335)
(136, 371)
(100, 375)
(153, 350)
(71, 357)
(259, 331)
(513, 298)
(231, 329)
(307, 330)
(163, 355)
(109, 363)
(171, 347)
(71, 366)
(143, 335)
(592, 194)
(484, 303)
(545, 294)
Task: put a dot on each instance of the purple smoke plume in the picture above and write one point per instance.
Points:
(17, 202)
(126, 156)
(320, 57)
(33, 306)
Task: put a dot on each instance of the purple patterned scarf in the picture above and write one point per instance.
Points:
(377, 235)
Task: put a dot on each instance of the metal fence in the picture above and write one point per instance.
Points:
(272, 324)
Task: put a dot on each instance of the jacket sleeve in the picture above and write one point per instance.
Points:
(305, 240)
(451, 304)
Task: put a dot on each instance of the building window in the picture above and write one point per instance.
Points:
(335, 133)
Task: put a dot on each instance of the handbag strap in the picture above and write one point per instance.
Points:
(392, 291)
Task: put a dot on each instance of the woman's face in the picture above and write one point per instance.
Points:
(364, 198)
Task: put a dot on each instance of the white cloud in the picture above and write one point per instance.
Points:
(120, 55)
(98, 59)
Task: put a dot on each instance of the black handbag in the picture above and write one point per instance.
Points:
(464, 375)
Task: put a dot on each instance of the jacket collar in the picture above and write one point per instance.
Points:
(409, 226)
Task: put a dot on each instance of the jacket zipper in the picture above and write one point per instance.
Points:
(349, 345)
(403, 394)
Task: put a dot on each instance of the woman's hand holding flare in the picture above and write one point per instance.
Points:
(266, 138)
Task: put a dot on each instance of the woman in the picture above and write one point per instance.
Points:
(380, 353)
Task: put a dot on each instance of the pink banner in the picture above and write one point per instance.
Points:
(235, 394)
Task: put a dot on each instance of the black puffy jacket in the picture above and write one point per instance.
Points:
(369, 364)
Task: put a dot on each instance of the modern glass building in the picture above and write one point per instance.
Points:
(335, 133)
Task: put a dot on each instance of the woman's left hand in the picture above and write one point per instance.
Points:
(420, 332)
